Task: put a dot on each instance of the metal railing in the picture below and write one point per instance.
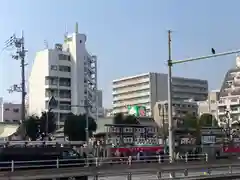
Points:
(100, 162)
(193, 172)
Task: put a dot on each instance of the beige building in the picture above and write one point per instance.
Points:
(180, 109)
(149, 88)
(10, 113)
(211, 105)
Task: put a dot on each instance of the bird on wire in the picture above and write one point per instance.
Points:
(213, 51)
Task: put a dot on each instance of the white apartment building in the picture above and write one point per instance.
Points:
(230, 95)
(10, 113)
(149, 88)
(69, 74)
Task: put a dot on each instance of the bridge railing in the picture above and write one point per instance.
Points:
(98, 162)
(189, 171)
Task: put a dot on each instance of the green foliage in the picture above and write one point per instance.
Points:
(118, 118)
(31, 127)
(47, 119)
(35, 127)
(190, 121)
(121, 119)
(206, 120)
(75, 127)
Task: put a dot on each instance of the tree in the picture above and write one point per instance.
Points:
(131, 119)
(31, 127)
(118, 118)
(121, 119)
(207, 120)
(75, 127)
(47, 122)
(189, 121)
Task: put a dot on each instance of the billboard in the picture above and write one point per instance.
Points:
(139, 111)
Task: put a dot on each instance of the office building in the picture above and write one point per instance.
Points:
(68, 73)
(209, 106)
(180, 110)
(10, 112)
(229, 103)
(147, 89)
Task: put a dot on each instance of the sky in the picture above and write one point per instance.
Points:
(128, 36)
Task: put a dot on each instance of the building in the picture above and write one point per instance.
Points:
(68, 73)
(99, 98)
(10, 113)
(149, 88)
(100, 109)
(108, 113)
(211, 105)
(1, 109)
(229, 102)
(180, 109)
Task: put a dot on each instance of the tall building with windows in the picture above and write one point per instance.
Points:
(67, 72)
(229, 103)
(149, 88)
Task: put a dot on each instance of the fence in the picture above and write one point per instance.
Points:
(188, 171)
(101, 162)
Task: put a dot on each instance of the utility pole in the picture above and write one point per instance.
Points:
(170, 118)
(171, 140)
(20, 54)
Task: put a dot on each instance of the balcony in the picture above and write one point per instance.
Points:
(187, 84)
(130, 96)
(190, 90)
(223, 102)
(131, 89)
(131, 82)
(131, 103)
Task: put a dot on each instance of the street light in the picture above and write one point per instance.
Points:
(170, 63)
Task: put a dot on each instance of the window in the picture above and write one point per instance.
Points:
(64, 57)
(51, 80)
(7, 109)
(80, 41)
(65, 68)
(65, 82)
(53, 67)
(16, 110)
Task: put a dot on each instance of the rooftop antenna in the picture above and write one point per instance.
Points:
(45, 44)
(65, 34)
(76, 28)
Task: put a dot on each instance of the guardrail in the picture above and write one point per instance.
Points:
(188, 171)
(97, 162)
